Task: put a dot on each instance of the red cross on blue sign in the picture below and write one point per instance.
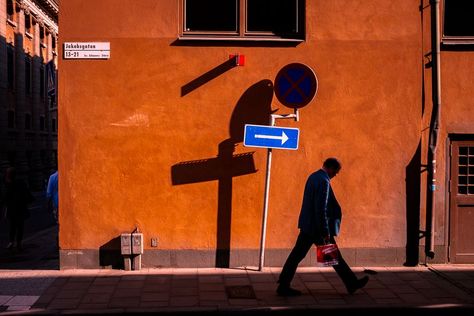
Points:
(295, 85)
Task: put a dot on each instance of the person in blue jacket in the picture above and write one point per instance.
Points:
(319, 223)
(52, 194)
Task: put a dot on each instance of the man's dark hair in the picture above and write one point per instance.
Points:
(332, 163)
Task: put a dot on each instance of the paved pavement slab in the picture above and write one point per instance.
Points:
(192, 290)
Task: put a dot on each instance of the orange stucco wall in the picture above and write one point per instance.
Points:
(124, 124)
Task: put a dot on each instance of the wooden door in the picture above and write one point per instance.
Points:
(462, 202)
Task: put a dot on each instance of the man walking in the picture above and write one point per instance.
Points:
(319, 222)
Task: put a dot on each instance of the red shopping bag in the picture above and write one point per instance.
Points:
(327, 255)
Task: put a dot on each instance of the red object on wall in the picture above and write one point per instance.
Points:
(239, 59)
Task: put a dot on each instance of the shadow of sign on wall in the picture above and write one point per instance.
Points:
(254, 107)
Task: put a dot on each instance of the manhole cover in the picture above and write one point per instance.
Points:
(241, 291)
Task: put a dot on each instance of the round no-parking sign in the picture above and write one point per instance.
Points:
(295, 85)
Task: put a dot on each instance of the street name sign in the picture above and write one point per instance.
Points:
(87, 50)
(263, 136)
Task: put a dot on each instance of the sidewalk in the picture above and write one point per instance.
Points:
(231, 290)
(39, 252)
(40, 219)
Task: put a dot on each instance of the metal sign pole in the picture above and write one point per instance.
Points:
(265, 210)
(295, 87)
(265, 202)
(266, 197)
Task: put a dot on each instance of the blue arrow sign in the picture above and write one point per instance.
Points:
(271, 137)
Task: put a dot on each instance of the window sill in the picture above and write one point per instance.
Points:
(457, 43)
(43, 45)
(29, 35)
(458, 40)
(12, 23)
(238, 38)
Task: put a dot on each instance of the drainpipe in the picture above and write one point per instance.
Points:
(434, 127)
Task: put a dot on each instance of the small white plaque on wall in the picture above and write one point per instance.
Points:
(87, 50)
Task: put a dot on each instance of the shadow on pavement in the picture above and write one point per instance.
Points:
(392, 291)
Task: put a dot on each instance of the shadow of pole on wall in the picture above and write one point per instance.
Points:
(208, 76)
(254, 107)
(413, 186)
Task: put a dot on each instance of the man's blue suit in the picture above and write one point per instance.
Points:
(320, 213)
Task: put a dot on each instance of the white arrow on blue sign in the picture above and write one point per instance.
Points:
(271, 137)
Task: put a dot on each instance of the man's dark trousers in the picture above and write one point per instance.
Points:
(302, 246)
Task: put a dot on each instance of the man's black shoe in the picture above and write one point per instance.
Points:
(358, 285)
(287, 291)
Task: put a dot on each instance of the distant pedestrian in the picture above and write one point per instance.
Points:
(319, 223)
(52, 195)
(16, 200)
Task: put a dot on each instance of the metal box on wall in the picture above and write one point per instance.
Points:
(137, 243)
(125, 244)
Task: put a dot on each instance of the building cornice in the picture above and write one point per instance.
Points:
(47, 15)
(50, 5)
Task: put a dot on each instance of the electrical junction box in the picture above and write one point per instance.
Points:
(125, 244)
(137, 243)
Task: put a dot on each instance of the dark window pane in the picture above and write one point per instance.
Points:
(211, 15)
(27, 23)
(27, 74)
(463, 161)
(42, 125)
(471, 151)
(471, 170)
(463, 180)
(458, 18)
(471, 190)
(471, 180)
(10, 10)
(41, 35)
(27, 121)
(12, 158)
(42, 82)
(279, 17)
(463, 151)
(11, 66)
(462, 170)
(471, 160)
(462, 190)
(11, 119)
